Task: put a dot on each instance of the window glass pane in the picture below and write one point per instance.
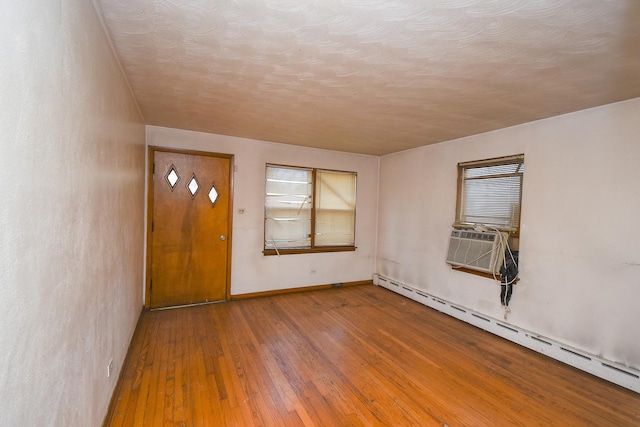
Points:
(494, 202)
(335, 208)
(288, 208)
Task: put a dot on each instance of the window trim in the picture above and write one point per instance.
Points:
(313, 248)
(506, 160)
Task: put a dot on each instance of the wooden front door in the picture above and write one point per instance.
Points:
(190, 228)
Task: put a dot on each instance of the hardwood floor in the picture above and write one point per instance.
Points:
(352, 356)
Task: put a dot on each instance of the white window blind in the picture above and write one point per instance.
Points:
(335, 208)
(489, 193)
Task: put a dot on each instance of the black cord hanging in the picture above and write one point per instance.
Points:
(508, 271)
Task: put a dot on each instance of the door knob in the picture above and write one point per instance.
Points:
(223, 237)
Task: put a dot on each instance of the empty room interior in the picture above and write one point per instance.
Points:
(345, 212)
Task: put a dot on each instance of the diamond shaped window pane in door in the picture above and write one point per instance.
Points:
(193, 185)
(172, 177)
(213, 195)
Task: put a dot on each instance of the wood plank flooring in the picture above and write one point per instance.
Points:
(356, 356)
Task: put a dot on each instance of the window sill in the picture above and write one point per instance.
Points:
(270, 252)
(477, 273)
(482, 274)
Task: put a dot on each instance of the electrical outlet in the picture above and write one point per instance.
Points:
(109, 368)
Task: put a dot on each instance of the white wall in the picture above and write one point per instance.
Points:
(580, 236)
(253, 272)
(71, 215)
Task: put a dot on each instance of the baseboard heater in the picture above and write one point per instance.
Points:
(611, 371)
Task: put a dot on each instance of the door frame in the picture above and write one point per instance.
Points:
(149, 249)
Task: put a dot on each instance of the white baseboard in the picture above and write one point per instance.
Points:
(595, 365)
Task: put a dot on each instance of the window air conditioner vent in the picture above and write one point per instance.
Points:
(481, 251)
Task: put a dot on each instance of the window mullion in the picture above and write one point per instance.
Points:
(313, 208)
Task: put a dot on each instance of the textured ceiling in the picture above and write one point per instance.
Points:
(372, 76)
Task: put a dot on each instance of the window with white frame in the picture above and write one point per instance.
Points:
(308, 210)
(490, 193)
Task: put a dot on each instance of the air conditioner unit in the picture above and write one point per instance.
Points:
(477, 250)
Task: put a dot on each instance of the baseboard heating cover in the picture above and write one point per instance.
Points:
(595, 365)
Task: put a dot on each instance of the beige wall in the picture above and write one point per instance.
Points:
(71, 216)
(580, 237)
(253, 272)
